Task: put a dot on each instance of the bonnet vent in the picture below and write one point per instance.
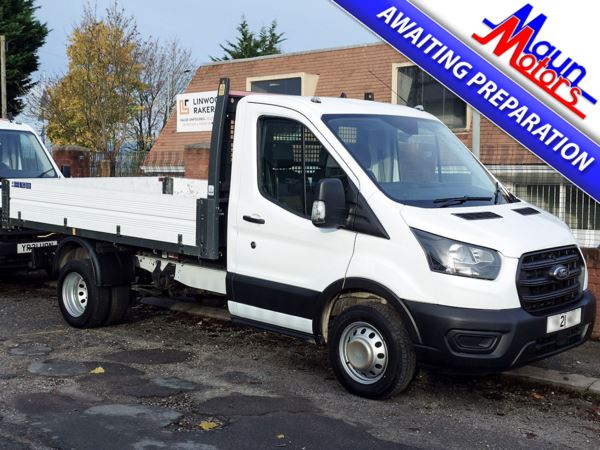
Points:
(527, 211)
(478, 215)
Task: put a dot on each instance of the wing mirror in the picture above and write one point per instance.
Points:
(329, 208)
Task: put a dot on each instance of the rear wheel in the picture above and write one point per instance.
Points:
(119, 304)
(82, 303)
(371, 352)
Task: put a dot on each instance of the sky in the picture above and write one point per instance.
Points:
(202, 25)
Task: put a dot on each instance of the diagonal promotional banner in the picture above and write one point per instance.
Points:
(487, 89)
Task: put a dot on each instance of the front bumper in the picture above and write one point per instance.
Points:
(485, 341)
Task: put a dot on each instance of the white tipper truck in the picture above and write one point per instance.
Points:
(364, 226)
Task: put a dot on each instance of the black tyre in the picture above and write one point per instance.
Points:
(119, 304)
(371, 352)
(82, 303)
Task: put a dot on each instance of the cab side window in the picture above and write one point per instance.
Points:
(291, 162)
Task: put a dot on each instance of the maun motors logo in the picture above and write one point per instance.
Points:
(540, 61)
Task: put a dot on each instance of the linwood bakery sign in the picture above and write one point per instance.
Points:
(195, 111)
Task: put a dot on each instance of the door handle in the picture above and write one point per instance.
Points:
(253, 219)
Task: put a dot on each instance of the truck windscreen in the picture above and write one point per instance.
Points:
(22, 156)
(415, 161)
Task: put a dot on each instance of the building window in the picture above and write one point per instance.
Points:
(297, 83)
(415, 87)
(289, 86)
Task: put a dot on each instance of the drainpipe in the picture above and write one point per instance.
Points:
(476, 135)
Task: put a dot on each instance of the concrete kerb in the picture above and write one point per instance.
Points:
(563, 380)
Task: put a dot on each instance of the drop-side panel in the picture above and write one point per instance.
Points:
(126, 207)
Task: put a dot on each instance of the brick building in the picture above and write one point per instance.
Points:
(373, 69)
(378, 72)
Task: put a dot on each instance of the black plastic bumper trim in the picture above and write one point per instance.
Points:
(522, 336)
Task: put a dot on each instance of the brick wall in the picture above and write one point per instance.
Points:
(195, 160)
(354, 71)
(78, 158)
(499, 148)
(592, 258)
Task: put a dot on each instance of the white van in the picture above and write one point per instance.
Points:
(365, 226)
(23, 155)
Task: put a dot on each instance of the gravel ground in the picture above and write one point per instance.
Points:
(170, 380)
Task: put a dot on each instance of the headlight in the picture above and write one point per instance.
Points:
(457, 258)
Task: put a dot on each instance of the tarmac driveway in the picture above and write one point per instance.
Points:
(170, 380)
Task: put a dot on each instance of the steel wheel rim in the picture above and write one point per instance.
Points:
(75, 294)
(363, 352)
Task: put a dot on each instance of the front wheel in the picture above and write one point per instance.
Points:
(371, 352)
(82, 303)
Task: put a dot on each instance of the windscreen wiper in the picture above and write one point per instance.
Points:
(46, 172)
(511, 197)
(460, 200)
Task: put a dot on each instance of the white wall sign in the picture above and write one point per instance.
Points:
(195, 112)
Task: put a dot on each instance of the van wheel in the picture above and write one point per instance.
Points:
(371, 352)
(82, 303)
(119, 304)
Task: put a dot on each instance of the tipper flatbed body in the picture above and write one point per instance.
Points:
(365, 226)
(151, 212)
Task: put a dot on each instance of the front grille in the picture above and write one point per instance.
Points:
(558, 341)
(15, 261)
(539, 290)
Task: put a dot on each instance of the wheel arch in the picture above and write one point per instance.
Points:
(111, 266)
(341, 288)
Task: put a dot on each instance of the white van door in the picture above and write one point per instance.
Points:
(283, 263)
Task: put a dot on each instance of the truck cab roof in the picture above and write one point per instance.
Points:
(332, 105)
(6, 124)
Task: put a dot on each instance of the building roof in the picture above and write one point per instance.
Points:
(287, 55)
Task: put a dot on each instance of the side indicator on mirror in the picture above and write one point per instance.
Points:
(318, 212)
(329, 208)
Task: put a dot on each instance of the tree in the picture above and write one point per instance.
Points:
(94, 103)
(166, 71)
(34, 104)
(24, 35)
(249, 45)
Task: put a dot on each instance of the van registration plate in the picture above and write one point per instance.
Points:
(27, 247)
(564, 320)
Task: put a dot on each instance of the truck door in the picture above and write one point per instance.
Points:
(283, 262)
